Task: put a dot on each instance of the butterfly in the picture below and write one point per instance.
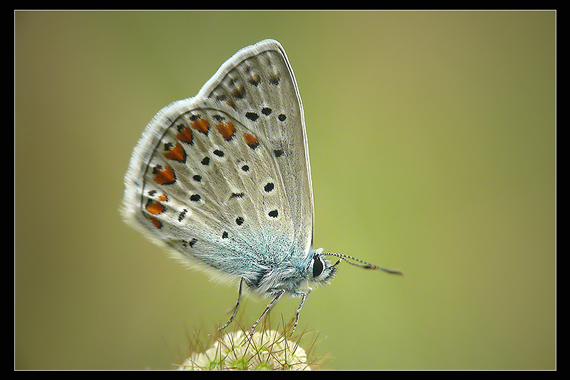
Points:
(223, 180)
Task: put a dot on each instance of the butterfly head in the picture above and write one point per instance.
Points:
(321, 269)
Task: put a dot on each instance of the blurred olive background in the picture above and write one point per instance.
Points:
(432, 140)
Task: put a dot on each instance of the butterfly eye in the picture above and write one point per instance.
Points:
(317, 266)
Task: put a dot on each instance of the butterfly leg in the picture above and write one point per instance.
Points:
(273, 302)
(235, 308)
(303, 298)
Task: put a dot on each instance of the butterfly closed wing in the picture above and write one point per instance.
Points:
(223, 179)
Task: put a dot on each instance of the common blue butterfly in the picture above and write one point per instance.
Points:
(223, 179)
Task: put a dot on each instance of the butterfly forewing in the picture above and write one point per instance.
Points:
(259, 86)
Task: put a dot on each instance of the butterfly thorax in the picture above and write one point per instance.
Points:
(269, 279)
(292, 275)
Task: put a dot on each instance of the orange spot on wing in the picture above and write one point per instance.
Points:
(185, 135)
(226, 129)
(154, 208)
(201, 125)
(164, 176)
(162, 198)
(250, 140)
(156, 222)
(176, 152)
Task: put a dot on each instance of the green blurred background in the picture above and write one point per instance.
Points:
(432, 140)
